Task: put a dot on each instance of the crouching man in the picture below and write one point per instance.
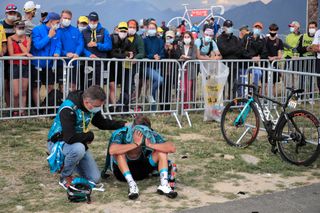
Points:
(136, 151)
(72, 127)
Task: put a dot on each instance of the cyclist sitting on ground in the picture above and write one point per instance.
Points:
(136, 151)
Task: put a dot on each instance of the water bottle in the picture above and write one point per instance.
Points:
(172, 174)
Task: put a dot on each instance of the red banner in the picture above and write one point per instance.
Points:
(198, 13)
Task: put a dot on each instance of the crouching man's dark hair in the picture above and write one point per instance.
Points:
(95, 93)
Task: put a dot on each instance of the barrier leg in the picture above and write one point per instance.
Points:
(177, 119)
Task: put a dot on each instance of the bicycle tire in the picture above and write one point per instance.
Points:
(228, 129)
(293, 141)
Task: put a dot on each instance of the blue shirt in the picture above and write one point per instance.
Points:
(205, 48)
(71, 41)
(154, 45)
(43, 45)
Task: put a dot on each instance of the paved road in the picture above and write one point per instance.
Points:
(300, 200)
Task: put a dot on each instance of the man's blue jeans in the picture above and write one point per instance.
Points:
(78, 160)
(244, 77)
(156, 79)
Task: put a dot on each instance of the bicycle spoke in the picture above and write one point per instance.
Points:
(245, 132)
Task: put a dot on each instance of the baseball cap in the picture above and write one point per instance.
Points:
(51, 16)
(228, 23)
(123, 26)
(83, 19)
(19, 24)
(93, 16)
(159, 30)
(11, 8)
(170, 33)
(294, 24)
(244, 27)
(29, 6)
(258, 24)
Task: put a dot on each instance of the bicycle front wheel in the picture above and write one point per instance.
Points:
(299, 138)
(240, 123)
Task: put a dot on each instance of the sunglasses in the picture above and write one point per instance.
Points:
(11, 7)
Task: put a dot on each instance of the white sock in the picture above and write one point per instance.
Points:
(127, 175)
(164, 177)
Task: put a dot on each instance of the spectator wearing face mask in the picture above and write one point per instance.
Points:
(188, 52)
(8, 25)
(292, 41)
(97, 43)
(82, 23)
(30, 9)
(160, 32)
(254, 46)
(19, 45)
(230, 48)
(243, 30)
(305, 41)
(45, 41)
(154, 48)
(207, 48)
(71, 46)
(121, 48)
(275, 51)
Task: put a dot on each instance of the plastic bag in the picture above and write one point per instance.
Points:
(214, 77)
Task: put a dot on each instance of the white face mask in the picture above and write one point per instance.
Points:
(81, 28)
(11, 17)
(55, 26)
(93, 26)
(95, 110)
(312, 31)
(122, 35)
(20, 32)
(187, 41)
(66, 22)
(291, 29)
(132, 31)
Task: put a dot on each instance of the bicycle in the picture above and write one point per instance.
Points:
(295, 134)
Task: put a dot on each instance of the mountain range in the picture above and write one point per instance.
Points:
(112, 12)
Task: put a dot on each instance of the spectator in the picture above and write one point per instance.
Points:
(43, 16)
(207, 48)
(195, 32)
(178, 36)
(160, 32)
(212, 25)
(230, 48)
(19, 45)
(139, 53)
(71, 46)
(164, 27)
(292, 41)
(255, 49)
(275, 50)
(82, 23)
(244, 30)
(154, 48)
(45, 41)
(3, 50)
(8, 25)
(121, 48)
(143, 27)
(30, 9)
(188, 52)
(315, 48)
(97, 42)
(138, 158)
(182, 27)
(306, 40)
(172, 51)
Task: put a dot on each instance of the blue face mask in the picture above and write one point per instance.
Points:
(256, 31)
(152, 32)
(207, 39)
(229, 30)
(95, 110)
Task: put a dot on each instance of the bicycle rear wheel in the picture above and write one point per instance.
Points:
(299, 138)
(243, 132)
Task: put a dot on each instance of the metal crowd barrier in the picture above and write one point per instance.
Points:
(31, 86)
(133, 86)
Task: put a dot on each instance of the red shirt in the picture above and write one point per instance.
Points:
(17, 50)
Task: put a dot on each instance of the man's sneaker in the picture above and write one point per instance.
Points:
(167, 191)
(151, 99)
(133, 191)
(65, 182)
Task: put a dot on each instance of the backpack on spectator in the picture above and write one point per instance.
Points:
(210, 47)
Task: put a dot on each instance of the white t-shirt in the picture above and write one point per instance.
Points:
(316, 41)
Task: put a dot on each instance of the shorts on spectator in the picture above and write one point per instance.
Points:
(42, 77)
(17, 73)
(73, 76)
